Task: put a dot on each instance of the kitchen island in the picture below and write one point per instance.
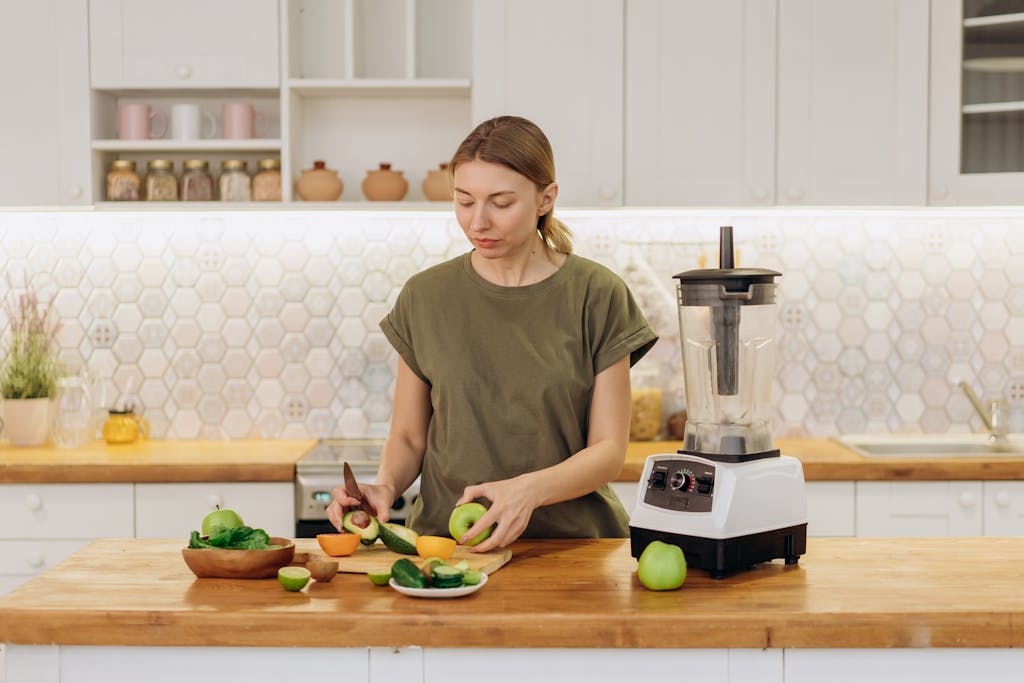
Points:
(890, 609)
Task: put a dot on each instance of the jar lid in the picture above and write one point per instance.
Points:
(270, 164)
(123, 164)
(196, 164)
(233, 165)
(160, 165)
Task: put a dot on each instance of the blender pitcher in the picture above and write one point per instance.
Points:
(727, 327)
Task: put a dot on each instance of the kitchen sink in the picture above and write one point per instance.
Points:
(931, 445)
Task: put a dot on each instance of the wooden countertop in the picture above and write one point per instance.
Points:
(156, 460)
(845, 593)
(828, 460)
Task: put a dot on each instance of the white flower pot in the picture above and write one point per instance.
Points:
(26, 421)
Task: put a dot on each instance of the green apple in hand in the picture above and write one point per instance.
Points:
(463, 517)
(220, 521)
(662, 567)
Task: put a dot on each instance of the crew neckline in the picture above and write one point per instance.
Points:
(515, 291)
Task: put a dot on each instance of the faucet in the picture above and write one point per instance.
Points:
(994, 419)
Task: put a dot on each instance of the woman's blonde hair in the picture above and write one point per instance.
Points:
(518, 144)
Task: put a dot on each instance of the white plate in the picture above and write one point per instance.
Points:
(438, 592)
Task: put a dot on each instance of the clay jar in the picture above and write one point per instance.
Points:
(319, 184)
(385, 185)
(437, 185)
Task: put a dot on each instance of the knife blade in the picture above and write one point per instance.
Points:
(352, 487)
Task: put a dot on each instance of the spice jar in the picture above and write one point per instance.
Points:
(384, 184)
(645, 406)
(266, 184)
(235, 184)
(196, 181)
(161, 183)
(437, 186)
(123, 183)
(319, 184)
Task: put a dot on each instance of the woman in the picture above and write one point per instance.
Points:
(513, 369)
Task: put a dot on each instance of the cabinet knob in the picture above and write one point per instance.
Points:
(607, 192)
(1003, 499)
(795, 193)
(74, 191)
(759, 193)
(33, 501)
(183, 71)
(940, 192)
(967, 500)
(34, 558)
(214, 500)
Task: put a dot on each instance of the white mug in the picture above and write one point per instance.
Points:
(186, 119)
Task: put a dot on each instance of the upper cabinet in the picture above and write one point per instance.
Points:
(560, 64)
(745, 102)
(184, 44)
(977, 102)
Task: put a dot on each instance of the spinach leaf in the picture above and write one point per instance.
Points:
(239, 538)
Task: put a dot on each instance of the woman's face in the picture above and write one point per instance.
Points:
(498, 208)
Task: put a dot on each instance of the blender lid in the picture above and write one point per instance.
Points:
(733, 279)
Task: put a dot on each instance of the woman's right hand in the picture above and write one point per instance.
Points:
(379, 496)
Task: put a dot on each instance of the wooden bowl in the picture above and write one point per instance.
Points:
(225, 563)
(337, 545)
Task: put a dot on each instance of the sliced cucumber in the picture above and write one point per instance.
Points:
(446, 576)
(398, 538)
(472, 578)
(354, 521)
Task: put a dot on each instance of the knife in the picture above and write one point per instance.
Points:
(352, 487)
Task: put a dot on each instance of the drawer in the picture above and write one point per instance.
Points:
(66, 511)
(34, 556)
(174, 510)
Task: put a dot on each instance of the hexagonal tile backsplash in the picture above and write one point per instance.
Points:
(265, 323)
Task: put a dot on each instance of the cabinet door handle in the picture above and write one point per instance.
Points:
(74, 191)
(607, 192)
(967, 499)
(795, 193)
(214, 500)
(33, 501)
(35, 559)
(759, 193)
(1003, 499)
(940, 192)
(183, 71)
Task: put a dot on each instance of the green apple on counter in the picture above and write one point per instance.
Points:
(220, 521)
(463, 517)
(662, 567)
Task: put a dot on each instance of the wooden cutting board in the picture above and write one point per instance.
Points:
(377, 557)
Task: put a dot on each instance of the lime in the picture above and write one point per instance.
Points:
(293, 578)
(472, 578)
(379, 578)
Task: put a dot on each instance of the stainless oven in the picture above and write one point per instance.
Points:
(318, 472)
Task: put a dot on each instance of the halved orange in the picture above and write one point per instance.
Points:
(337, 545)
(435, 546)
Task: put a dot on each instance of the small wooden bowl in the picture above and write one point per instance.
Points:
(226, 563)
(337, 545)
(323, 570)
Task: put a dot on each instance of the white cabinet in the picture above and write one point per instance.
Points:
(559, 64)
(1004, 508)
(919, 508)
(44, 121)
(976, 155)
(850, 88)
(41, 524)
(700, 102)
(831, 508)
(184, 44)
(173, 510)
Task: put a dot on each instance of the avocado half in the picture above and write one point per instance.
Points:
(368, 532)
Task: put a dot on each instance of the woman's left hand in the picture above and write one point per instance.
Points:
(512, 504)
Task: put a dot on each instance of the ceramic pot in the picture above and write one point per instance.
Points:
(319, 184)
(437, 185)
(385, 185)
(26, 420)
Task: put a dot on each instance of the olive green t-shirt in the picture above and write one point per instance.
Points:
(511, 373)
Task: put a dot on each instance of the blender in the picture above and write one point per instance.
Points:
(728, 498)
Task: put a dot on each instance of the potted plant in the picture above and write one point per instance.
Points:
(29, 369)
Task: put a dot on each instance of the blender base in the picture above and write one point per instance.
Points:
(723, 556)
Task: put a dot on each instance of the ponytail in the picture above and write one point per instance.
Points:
(555, 233)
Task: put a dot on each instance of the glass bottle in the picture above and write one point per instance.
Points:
(266, 184)
(161, 183)
(73, 413)
(196, 181)
(235, 184)
(645, 407)
(123, 183)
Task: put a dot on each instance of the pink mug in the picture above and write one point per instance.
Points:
(136, 122)
(239, 121)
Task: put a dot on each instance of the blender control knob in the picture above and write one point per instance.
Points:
(682, 481)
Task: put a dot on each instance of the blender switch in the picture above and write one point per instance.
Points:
(703, 485)
(658, 479)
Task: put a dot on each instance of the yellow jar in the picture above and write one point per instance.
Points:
(124, 426)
